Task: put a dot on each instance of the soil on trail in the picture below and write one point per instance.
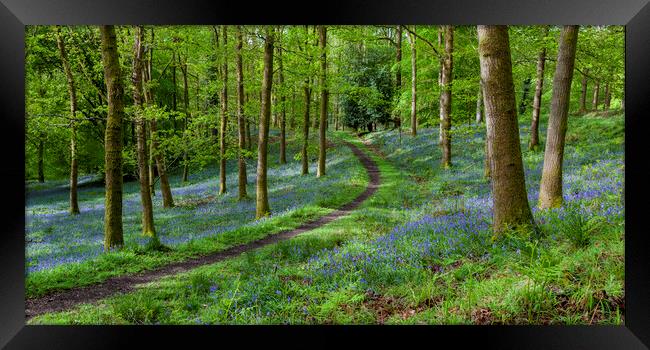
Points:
(67, 299)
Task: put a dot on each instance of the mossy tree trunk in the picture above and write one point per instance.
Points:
(242, 179)
(445, 96)
(322, 140)
(141, 135)
(72, 93)
(479, 104)
(224, 113)
(537, 99)
(262, 207)
(550, 190)
(113, 235)
(510, 201)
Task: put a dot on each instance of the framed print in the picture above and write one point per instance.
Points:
(432, 171)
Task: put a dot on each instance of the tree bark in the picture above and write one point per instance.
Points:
(186, 102)
(594, 101)
(141, 138)
(550, 191)
(583, 93)
(608, 98)
(262, 208)
(283, 108)
(113, 235)
(242, 178)
(305, 129)
(479, 104)
(537, 100)
(41, 173)
(158, 159)
(445, 96)
(411, 38)
(322, 140)
(72, 92)
(510, 200)
(398, 78)
(224, 114)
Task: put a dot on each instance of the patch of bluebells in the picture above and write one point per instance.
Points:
(54, 237)
(456, 226)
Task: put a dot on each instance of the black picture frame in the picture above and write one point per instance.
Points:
(634, 14)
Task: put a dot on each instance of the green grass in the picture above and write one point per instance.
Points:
(134, 258)
(572, 274)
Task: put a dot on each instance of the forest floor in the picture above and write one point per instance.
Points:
(66, 299)
(420, 250)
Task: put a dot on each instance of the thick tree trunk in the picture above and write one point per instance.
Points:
(583, 93)
(262, 207)
(510, 200)
(186, 102)
(537, 100)
(242, 179)
(479, 104)
(445, 96)
(141, 138)
(41, 173)
(550, 191)
(283, 108)
(440, 87)
(72, 92)
(113, 235)
(414, 122)
(322, 140)
(594, 101)
(224, 114)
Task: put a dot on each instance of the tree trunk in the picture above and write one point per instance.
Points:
(224, 114)
(440, 64)
(510, 200)
(74, 204)
(141, 138)
(594, 101)
(322, 140)
(608, 98)
(524, 97)
(262, 208)
(479, 104)
(41, 173)
(305, 129)
(583, 93)
(398, 79)
(537, 100)
(158, 160)
(445, 96)
(113, 140)
(186, 102)
(550, 191)
(411, 39)
(283, 108)
(242, 178)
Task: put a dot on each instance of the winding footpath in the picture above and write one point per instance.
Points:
(63, 300)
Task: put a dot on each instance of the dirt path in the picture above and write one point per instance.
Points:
(67, 299)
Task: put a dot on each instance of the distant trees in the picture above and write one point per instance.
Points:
(414, 121)
(550, 192)
(113, 236)
(446, 80)
(510, 201)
